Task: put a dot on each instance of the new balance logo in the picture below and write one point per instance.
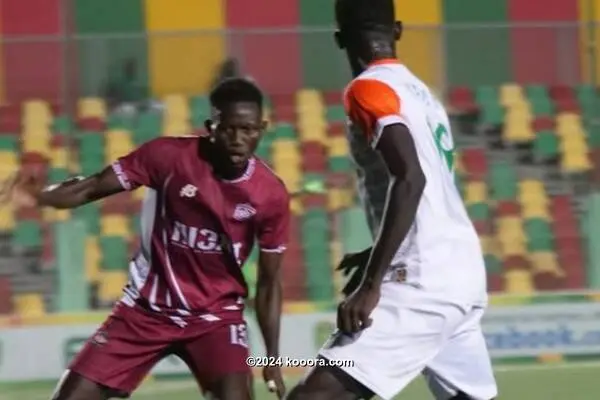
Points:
(243, 212)
(188, 191)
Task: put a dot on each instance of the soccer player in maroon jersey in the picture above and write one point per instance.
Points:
(207, 201)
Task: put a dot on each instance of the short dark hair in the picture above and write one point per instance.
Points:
(234, 90)
(365, 15)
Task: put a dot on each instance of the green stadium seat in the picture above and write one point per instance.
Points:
(479, 211)
(537, 93)
(91, 143)
(593, 132)
(284, 131)
(62, 124)
(27, 235)
(586, 94)
(90, 214)
(315, 238)
(503, 181)
(340, 164)
(335, 113)
(542, 106)
(200, 106)
(114, 253)
(546, 145)
(539, 235)
(149, 126)
(56, 175)
(9, 143)
(120, 121)
(354, 230)
(486, 95)
(492, 114)
(493, 265)
(250, 270)
(134, 222)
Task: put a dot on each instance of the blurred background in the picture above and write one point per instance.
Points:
(85, 81)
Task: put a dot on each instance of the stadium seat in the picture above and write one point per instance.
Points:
(118, 143)
(115, 225)
(114, 253)
(9, 164)
(475, 192)
(36, 113)
(545, 146)
(503, 180)
(91, 107)
(474, 161)
(92, 259)
(519, 282)
(511, 95)
(545, 262)
(27, 235)
(111, 285)
(315, 239)
(29, 305)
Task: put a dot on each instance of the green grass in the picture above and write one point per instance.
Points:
(536, 382)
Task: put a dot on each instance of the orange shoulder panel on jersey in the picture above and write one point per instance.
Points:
(368, 100)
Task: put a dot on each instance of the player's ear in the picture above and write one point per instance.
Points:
(210, 126)
(339, 39)
(398, 29)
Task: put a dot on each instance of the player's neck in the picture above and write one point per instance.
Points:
(371, 58)
(228, 172)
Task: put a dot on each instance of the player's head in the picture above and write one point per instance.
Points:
(367, 30)
(236, 123)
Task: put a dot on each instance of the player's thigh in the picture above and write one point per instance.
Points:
(404, 337)
(324, 383)
(463, 364)
(217, 359)
(123, 350)
(73, 386)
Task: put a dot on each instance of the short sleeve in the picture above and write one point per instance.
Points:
(372, 105)
(274, 225)
(141, 167)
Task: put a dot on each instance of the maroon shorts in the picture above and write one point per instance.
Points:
(132, 340)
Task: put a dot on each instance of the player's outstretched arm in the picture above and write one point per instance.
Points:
(29, 190)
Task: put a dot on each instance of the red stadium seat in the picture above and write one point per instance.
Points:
(462, 99)
(561, 92)
(507, 208)
(543, 124)
(475, 163)
(314, 157)
(6, 305)
(336, 129)
(515, 262)
(567, 105)
(91, 124)
(333, 98)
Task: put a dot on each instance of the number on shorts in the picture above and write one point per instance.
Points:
(238, 334)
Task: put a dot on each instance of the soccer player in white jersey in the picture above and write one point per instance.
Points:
(418, 305)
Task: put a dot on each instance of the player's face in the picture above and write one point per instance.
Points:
(238, 131)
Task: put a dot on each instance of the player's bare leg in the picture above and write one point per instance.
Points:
(73, 386)
(325, 383)
(231, 387)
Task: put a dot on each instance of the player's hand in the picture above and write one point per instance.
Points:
(21, 189)
(353, 260)
(274, 381)
(354, 312)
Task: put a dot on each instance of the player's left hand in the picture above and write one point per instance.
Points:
(354, 312)
(274, 380)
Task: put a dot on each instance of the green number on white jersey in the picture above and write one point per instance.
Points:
(443, 142)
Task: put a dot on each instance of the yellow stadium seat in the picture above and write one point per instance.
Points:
(575, 162)
(511, 94)
(508, 247)
(518, 282)
(59, 157)
(91, 107)
(36, 113)
(176, 107)
(53, 215)
(532, 191)
(509, 228)
(9, 164)
(531, 210)
(296, 206)
(545, 262)
(573, 144)
(7, 217)
(92, 259)
(115, 225)
(336, 199)
(111, 285)
(177, 128)
(29, 305)
(292, 182)
(518, 131)
(139, 193)
(338, 147)
(37, 143)
(475, 192)
(488, 245)
(308, 96)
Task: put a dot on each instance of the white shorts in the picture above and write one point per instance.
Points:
(413, 333)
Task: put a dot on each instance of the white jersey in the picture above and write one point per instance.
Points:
(442, 253)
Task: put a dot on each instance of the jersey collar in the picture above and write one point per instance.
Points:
(383, 61)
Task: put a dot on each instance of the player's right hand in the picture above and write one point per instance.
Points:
(352, 261)
(22, 190)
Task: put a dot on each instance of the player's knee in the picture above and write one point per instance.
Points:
(72, 386)
(231, 387)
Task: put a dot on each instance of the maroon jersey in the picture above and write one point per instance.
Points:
(183, 268)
